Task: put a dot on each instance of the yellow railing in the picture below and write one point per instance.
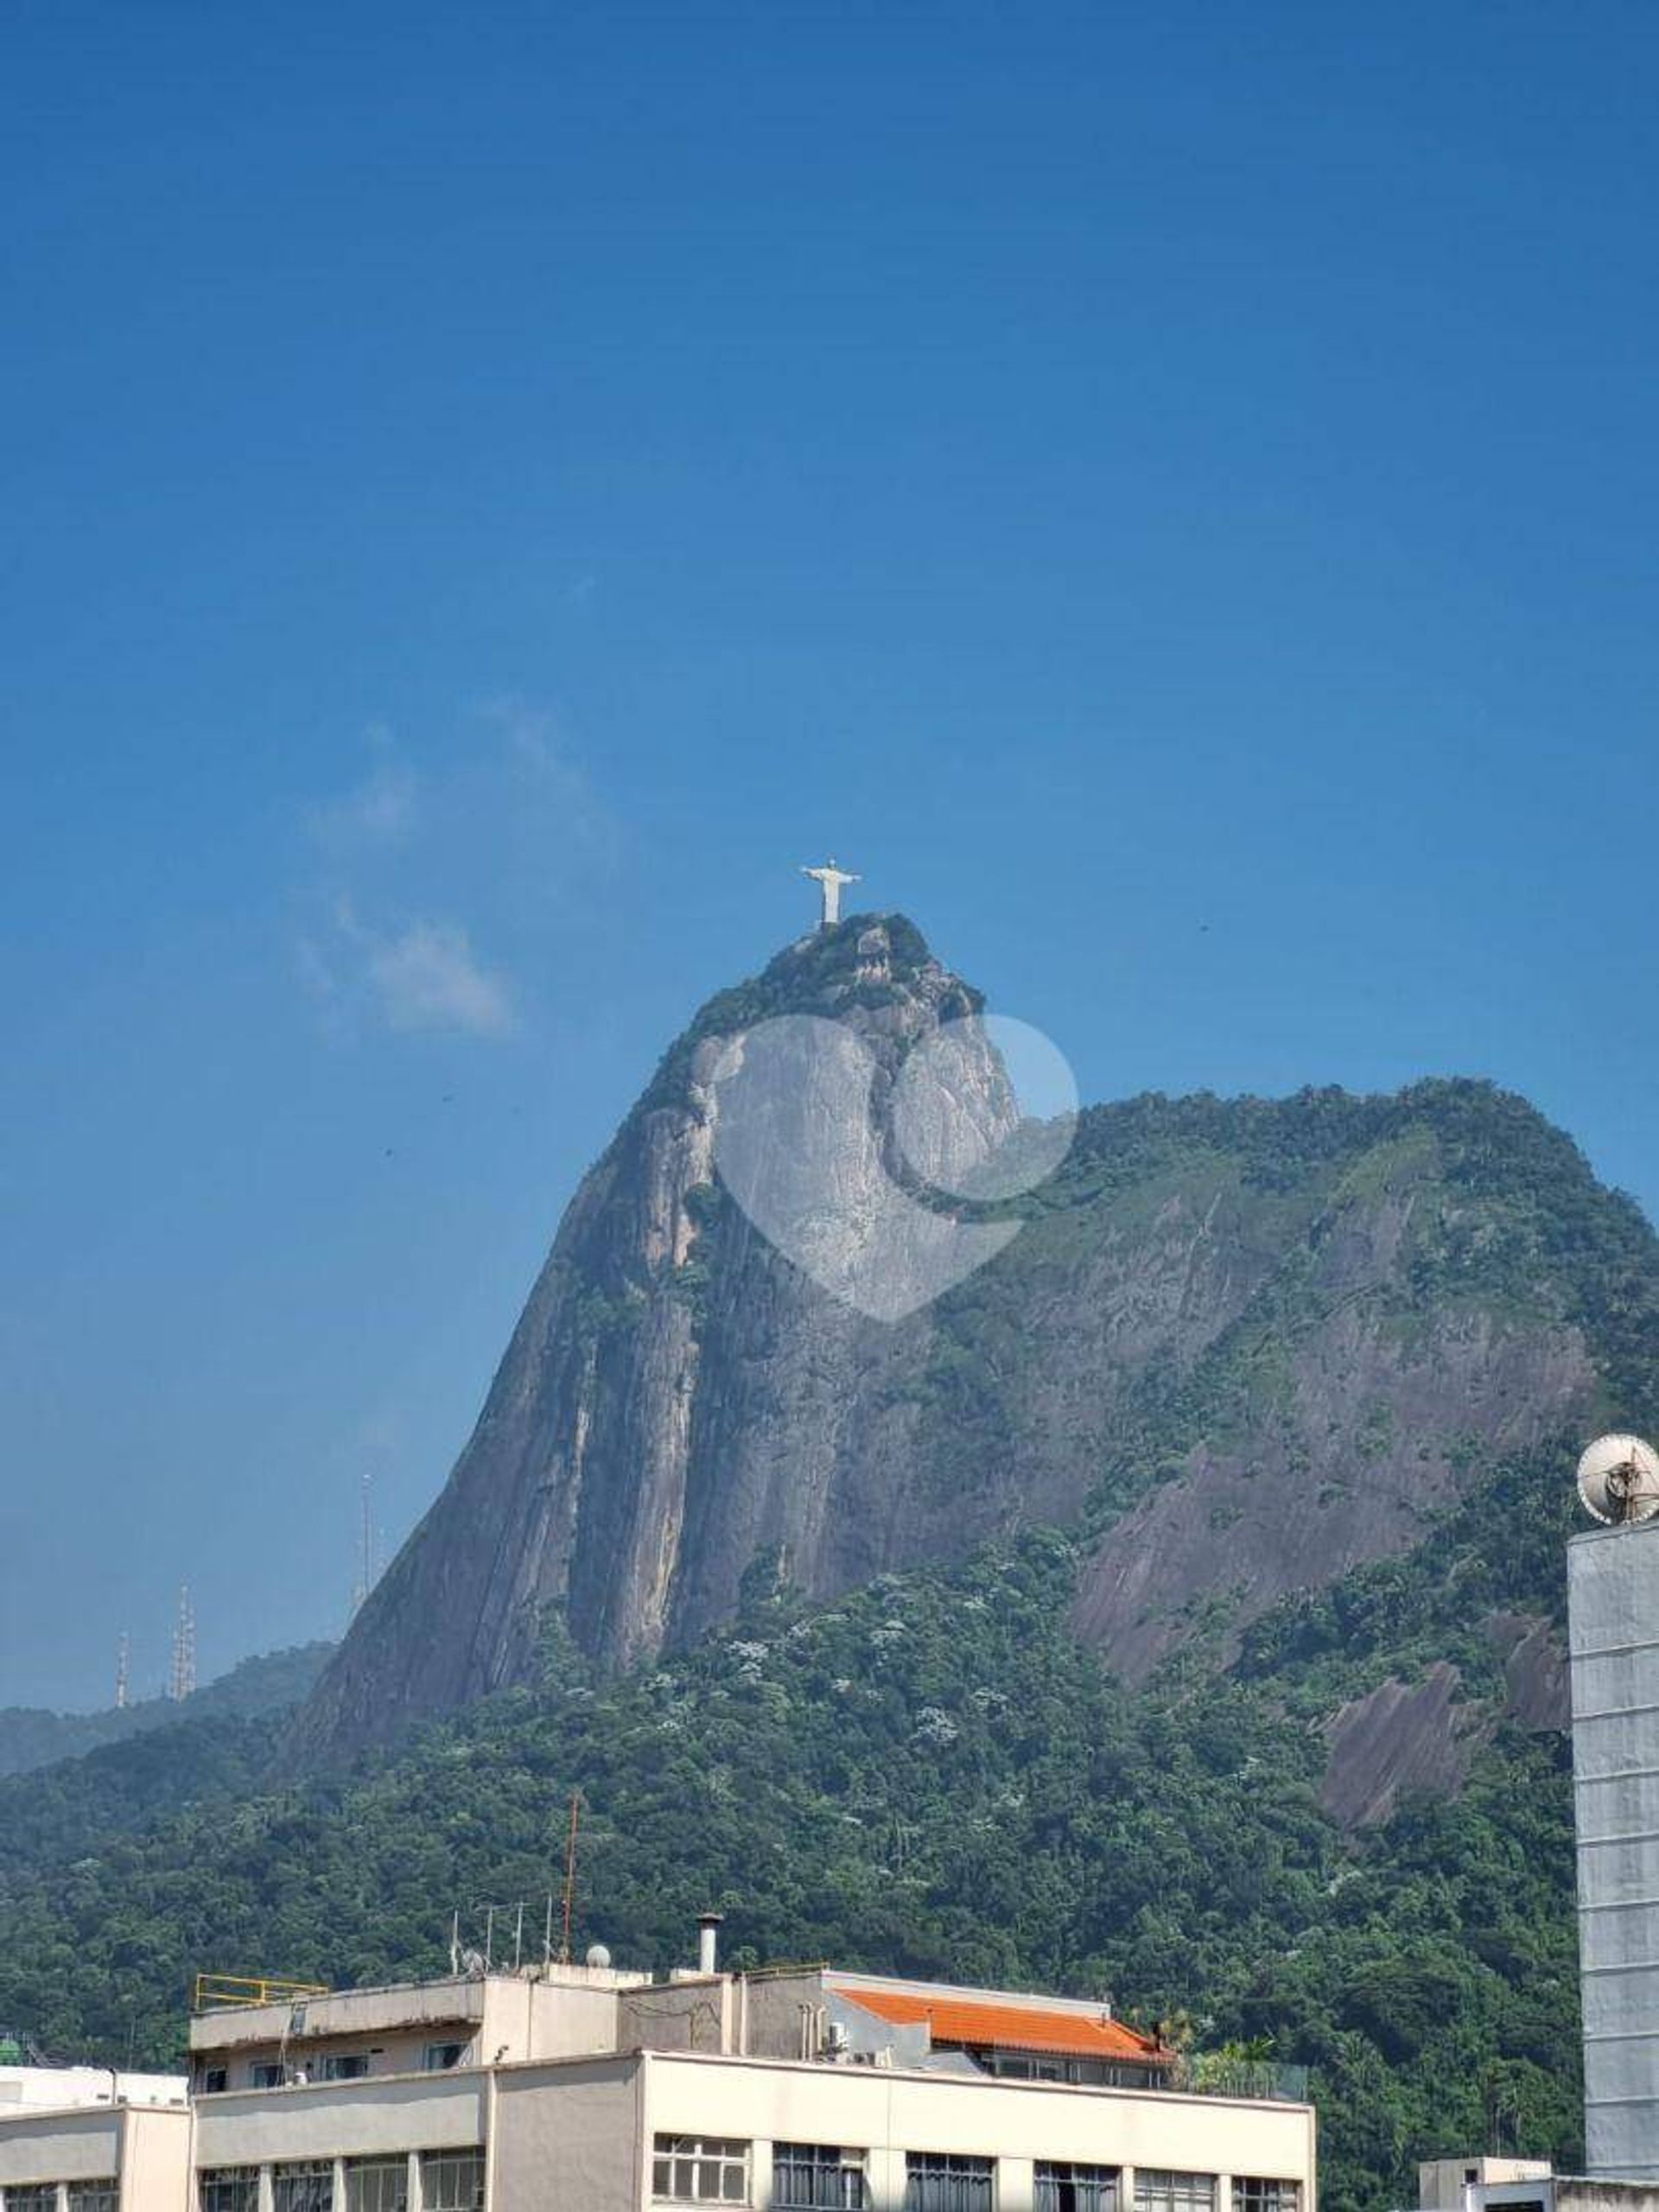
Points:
(213, 1990)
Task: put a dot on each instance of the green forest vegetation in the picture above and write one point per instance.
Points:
(930, 1777)
(31, 1736)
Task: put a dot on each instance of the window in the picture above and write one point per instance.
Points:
(818, 2177)
(36, 2196)
(306, 2185)
(214, 2079)
(342, 2066)
(439, 2057)
(701, 2170)
(1082, 2073)
(1021, 2066)
(451, 2181)
(1253, 2195)
(936, 2181)
(226, 2189)
(375, 2186)
(93, 2196)
(1069, 2188)
(266, 2074)
(1158, 2191)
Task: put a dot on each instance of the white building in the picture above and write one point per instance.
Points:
(1472, 2184)
(1491, 2184)
(585, 2089)
(60, 2086)
(85, 2138)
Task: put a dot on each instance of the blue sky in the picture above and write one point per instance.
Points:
(1166, 493)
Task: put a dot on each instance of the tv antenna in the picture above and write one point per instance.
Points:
(1618, 1480)
(570, 1876)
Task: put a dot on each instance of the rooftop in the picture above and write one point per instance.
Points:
(63, 2088)
(981, 2020)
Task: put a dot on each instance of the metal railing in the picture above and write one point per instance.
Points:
(1220, 2074)
(210, 1991)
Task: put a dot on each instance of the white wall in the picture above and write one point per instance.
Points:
(146, 2148)
(1015, 2123)
(569, 2142)
(564, 2012)
(369, 2013)
(154, 2160)
(542, 2020)
(53, 2089)
(694, 2013)
(431, 2111)
(83, 2145)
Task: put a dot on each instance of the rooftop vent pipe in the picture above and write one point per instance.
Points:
(709, 1925)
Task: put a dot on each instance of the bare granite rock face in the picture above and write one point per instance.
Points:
(1534, 1670)
(1403, 1736)
(1424, 1735)
(1355, 1467)
(1248, 1340)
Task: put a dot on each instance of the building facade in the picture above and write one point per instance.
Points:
(583, 2089)
(1494, 2184)
(574, 2089)
(86, 2139)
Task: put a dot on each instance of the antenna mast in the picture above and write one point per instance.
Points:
(570, 1876)
(366, 1573)
(123, 1670)
(183, 1680)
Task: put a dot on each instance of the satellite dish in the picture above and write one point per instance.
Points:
(598, 1955)
(1618, 1480)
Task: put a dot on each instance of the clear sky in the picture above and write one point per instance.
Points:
(1167, 492)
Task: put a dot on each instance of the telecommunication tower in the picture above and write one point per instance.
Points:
(183, 1680)
(123, 1670)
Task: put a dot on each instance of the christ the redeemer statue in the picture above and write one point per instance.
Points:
(829, 880)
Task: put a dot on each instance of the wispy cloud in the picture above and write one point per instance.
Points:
(553, 794)
(421, 975)
(503, 831)
(428, 977)
(378, 811)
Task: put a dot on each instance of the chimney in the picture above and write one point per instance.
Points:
(708, 1924)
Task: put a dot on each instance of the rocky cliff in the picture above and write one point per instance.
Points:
(1240, 1347)
(678, 1398)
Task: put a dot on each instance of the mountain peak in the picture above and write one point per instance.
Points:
(1246, 1345)
(874, 970)
(622, 1476)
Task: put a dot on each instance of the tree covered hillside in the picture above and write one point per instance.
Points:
(931, 1777)
(273, 1682)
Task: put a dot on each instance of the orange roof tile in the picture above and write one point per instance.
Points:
(1008, 2027)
